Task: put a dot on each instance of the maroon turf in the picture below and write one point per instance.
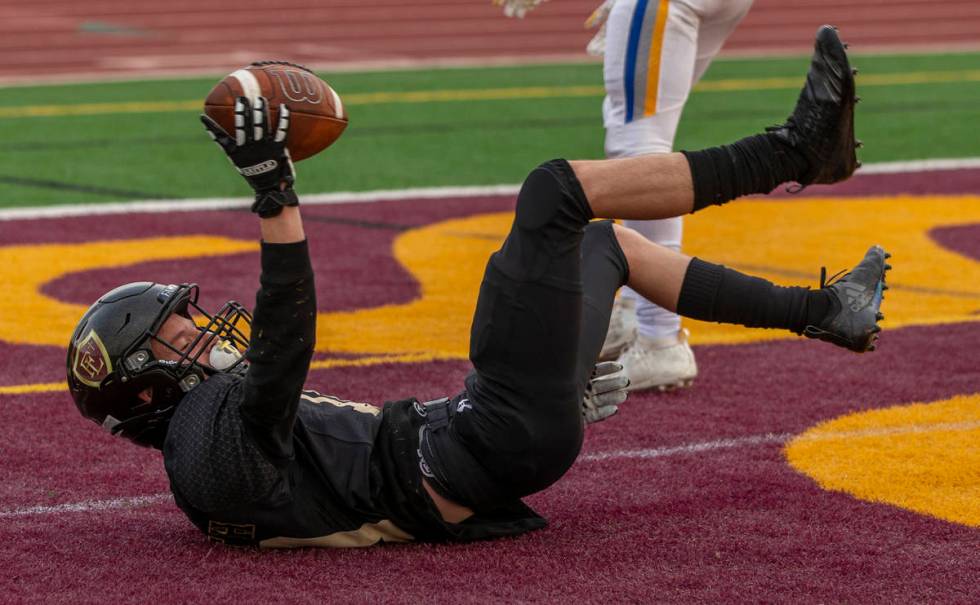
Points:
(731, 524)
(964, 239)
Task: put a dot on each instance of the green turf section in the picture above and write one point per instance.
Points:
(112, 157)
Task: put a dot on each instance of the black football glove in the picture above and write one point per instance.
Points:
(259, 155)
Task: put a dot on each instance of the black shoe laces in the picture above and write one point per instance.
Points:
(836, 277)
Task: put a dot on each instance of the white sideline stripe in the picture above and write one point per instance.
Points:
(920, 166)
(659, 452)
(218, 203)
(88, 506)
(691, 448)
(382, 195)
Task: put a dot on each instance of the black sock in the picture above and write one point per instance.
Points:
(716, 293)
(756, 164)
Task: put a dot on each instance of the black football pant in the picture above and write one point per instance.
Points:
(540, 322)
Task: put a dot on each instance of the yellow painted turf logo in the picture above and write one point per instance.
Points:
(785, 241)
(921, 457)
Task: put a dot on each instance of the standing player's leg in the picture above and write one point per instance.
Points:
(632, 39)
(644, 99)
(720, 19)
(655, 52)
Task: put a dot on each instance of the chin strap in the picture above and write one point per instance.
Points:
(142, 423)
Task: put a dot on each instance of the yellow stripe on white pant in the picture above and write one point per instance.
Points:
(653, 61)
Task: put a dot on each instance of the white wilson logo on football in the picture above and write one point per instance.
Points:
(299, 87)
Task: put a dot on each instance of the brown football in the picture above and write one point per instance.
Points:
(317, 116)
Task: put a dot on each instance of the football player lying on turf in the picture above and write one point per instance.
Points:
(253, 458)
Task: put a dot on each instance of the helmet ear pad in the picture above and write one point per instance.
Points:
(131, 416)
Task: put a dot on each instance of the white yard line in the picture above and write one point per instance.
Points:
(781, 438)
(87, 506)
(690, 448)
(384, 195)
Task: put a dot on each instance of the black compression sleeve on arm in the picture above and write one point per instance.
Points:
(282, 340)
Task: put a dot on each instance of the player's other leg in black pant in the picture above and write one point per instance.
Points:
(520, 428)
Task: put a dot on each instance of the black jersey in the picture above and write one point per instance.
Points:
(258, 460)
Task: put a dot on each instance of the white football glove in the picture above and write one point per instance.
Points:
(605, 391)
(598, 18)
(517, 8)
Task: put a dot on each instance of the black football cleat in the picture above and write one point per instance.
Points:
(852, 321)
(822, 124)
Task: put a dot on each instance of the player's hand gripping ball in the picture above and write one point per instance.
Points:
(259, 154)
(317, 117)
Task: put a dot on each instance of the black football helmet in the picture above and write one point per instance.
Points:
(110, 360)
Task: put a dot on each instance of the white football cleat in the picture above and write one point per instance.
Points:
(622, 328)
(664, 363)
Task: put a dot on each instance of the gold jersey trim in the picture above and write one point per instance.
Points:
(368, 534)
(317, 398)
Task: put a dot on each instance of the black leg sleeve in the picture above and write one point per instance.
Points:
(756, 164)
(716, 293)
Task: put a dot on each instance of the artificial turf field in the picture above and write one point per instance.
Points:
(791, 471)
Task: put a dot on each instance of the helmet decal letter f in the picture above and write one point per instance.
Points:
(92, 362)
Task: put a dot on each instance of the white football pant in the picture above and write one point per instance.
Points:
(656, 50)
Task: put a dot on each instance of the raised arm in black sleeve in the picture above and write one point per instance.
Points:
(283, 335)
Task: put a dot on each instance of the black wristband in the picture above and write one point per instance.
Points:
(270, 203)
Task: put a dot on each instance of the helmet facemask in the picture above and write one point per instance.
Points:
(218, 346)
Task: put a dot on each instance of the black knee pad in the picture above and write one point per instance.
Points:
(551, 215)
(552, 194)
